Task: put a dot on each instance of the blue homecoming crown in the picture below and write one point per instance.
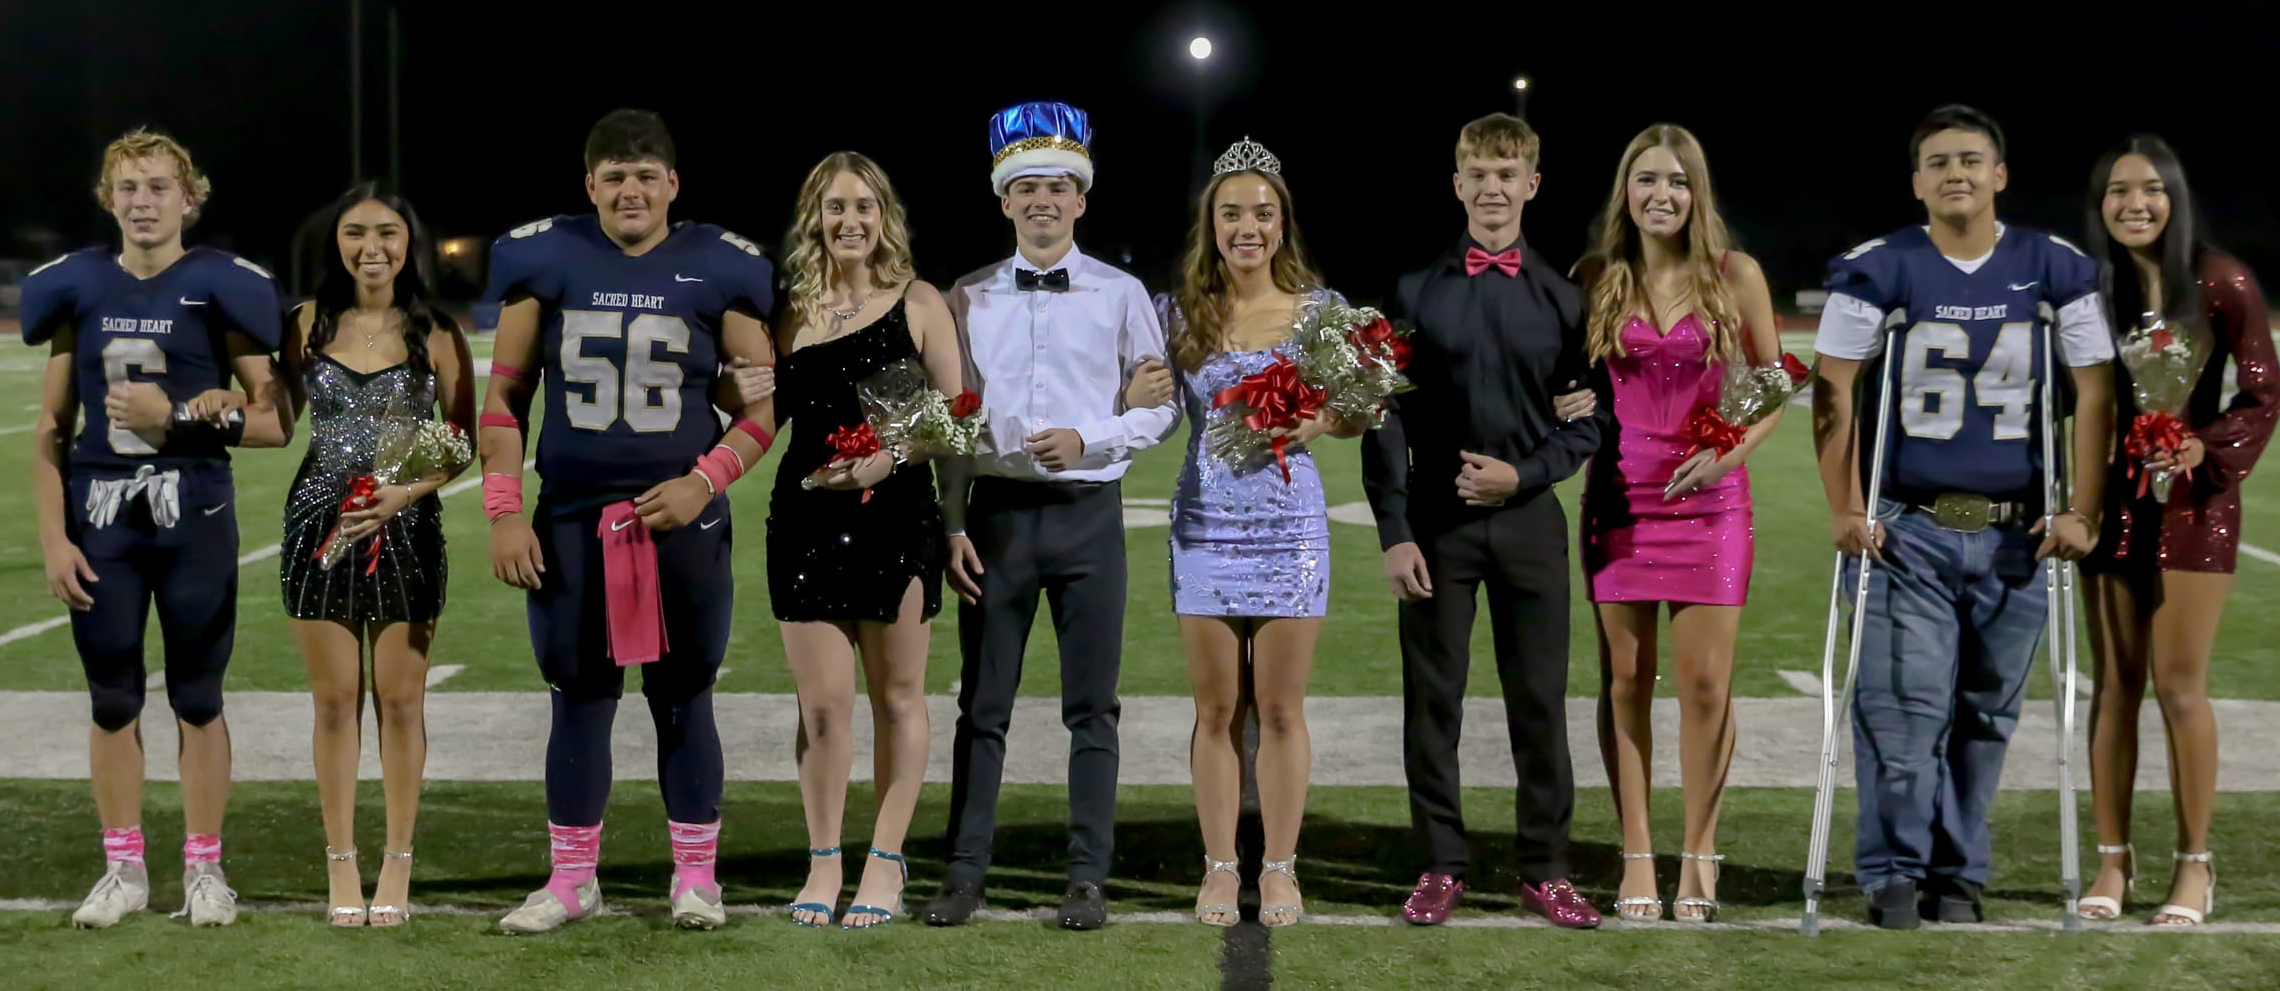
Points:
(1040, 139)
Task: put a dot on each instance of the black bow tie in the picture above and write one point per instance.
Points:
(1056, 280)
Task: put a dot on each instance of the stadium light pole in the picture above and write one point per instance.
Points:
(355, 90)
(1199, 52)
(395, 99)
(1520, 87)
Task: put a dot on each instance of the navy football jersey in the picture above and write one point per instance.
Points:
(167, 329)
(629, 347)
(1970, 359)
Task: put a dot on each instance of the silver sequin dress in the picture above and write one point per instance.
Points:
(345, 408)
(1244, 542)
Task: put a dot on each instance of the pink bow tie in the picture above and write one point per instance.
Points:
(1478, 261)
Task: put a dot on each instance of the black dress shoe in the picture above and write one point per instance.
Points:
(1951, 900)
(955, 905)
(1894, 906)
(1083, 906)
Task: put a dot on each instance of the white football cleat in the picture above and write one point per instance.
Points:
(694, 908)
(206, 896)
(124, 888)
(543, 912)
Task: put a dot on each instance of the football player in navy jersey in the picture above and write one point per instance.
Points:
(1956, 603)
(623, 321)
(131, 477)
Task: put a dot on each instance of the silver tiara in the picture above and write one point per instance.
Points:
(1247, 156)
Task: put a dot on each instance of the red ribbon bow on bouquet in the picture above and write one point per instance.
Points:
(1276, 397)
(1376, 335)
(2153, 435)
(852, 444)
(1709, 431)
(363, 493)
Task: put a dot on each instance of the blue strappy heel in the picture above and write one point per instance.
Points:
(814, 906)
(885, 915)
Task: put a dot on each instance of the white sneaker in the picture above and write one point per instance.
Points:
(693, 908)
(542, 912)
(125, 888)
(206, 897)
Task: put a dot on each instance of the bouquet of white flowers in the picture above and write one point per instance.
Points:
(2164, 367)
(409, 448)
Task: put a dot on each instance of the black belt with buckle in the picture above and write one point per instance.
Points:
(1970, 512)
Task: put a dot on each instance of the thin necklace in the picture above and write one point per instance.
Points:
(849, 313)
(370, 336)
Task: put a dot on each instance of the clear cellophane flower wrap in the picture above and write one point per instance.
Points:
(409, 448)
(1341, 361)
(903, 409)
(2164, 367)
(1746, 394)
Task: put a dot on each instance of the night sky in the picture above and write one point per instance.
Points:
(1805, 122)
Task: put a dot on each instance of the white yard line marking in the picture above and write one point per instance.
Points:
(2260, 553)
(250, 557)
(33, 629)
(1806, 682)
(442, 672)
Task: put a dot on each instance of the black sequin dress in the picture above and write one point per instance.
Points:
(832, 556)
(345, 407)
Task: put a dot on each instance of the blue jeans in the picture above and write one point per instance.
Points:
(1952, 624)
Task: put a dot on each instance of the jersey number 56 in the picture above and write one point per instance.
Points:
(642, 372)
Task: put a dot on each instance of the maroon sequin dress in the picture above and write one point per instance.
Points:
(2199, 528)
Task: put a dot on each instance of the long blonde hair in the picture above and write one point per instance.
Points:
(1618, 288)
(1204, 282)
(809, 269)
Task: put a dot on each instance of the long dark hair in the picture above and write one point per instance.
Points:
(1204, 281)
(2183, 242)
(336, 288)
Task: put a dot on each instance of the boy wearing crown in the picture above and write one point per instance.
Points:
(1460, 480)
(1051, 337)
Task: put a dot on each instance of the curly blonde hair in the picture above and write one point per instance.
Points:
(809, 269)
(142, 143)
(1618, 289)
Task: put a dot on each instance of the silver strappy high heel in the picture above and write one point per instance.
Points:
(1287, 868)
(393, 915)
(1639, 908)
(1228, 909)
(1708, 907)
(346, 917)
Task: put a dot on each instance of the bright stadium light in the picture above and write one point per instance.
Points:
(1520, 83)
(1199, 49)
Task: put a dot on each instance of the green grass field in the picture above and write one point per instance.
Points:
(479, 853)
(1355, 866)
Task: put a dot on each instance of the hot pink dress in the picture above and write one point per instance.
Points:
(1637, 547)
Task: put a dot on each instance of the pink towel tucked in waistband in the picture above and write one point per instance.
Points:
(629, 587)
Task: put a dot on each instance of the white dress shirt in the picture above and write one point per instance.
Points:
(1043, 359)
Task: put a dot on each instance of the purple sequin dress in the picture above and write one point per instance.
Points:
(1244, 542)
